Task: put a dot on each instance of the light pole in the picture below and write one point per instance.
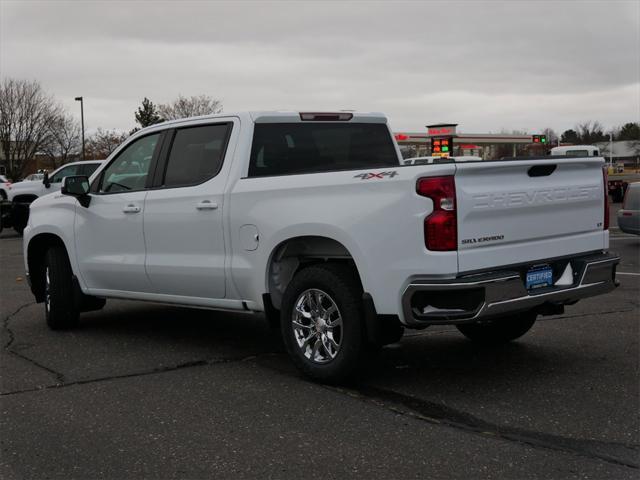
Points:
(79, 99)
(610, 150)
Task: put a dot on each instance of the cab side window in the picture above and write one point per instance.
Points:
(129, 171)
(196, 154)
(87, 169)
(65, 172)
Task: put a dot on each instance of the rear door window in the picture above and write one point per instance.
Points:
(196, 154)
(298, 148)
(577, 153)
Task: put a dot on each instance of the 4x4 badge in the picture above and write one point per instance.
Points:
(370, 175)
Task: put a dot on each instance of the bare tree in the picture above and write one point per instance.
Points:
(64, 140)
(26, 115)
(552, 136)
(591, 132)
(102, 143)
(194, 106)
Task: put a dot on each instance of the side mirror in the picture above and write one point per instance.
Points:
(45, 180)
(76, 186)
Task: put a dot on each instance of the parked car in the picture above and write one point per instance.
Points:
(33, 177)
(22, 194)
(616, 187)
(629, 214)
(5, 184)
(575, 151)
(312, 219)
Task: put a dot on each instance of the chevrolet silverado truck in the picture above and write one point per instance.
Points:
(312, 219)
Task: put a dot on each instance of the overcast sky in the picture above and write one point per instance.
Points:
(485, 65)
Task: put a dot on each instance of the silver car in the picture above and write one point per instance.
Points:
(629, 214)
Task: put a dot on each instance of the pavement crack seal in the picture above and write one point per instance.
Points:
(5, 324)
(153, 371)
(11, 337)
(438, 414)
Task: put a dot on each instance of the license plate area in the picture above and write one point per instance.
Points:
(540, 276)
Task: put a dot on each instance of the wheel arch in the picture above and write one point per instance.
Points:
(24, 198)
(290, 255)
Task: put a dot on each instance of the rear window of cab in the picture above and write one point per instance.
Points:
(299, 148)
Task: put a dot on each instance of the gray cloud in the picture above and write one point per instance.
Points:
(486, 65)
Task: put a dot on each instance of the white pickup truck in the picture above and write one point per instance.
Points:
(312, 219)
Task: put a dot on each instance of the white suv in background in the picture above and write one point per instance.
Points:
(22, 194)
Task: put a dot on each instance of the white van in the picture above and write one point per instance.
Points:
(576, 151)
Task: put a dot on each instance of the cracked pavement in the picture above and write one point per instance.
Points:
(149, 391)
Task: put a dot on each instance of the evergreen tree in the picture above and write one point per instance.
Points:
(570, 136)
(629, 131)
(147, 114)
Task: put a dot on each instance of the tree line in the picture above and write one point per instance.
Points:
(33, 123)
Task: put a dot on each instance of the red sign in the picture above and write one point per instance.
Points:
(440, 131)
(469, 146)
(401, 136)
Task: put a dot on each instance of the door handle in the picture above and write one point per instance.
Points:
(207, 205)
(131, 209)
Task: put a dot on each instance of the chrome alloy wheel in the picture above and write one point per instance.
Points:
(47, 290)
(317, 325)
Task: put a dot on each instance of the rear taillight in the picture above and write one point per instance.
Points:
(441, 226)
(605, 179)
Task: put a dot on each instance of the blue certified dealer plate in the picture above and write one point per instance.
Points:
(539, 277)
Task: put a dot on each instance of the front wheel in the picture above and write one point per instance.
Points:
(322, 322)
(61, 310)
(499, 331)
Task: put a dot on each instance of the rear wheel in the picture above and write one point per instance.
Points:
(322, 322)
(499, 331)
(61, 310)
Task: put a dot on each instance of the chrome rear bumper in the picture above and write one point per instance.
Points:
(495, 294)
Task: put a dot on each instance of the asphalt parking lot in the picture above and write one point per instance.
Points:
(148, 391)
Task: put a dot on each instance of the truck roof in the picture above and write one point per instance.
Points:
(285, 117)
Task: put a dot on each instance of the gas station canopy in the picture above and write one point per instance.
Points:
(480, 144)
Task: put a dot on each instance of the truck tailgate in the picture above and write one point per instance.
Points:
(517, 211)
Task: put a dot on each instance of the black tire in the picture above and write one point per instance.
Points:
(61, 309)
(499, 331)
(20, 215)
(341, 284)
